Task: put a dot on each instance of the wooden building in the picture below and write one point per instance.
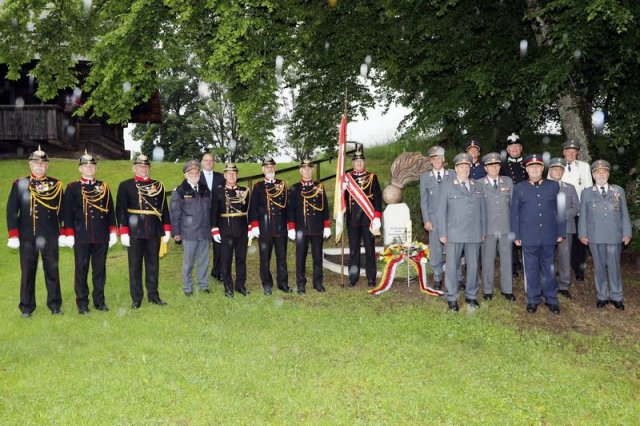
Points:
(26, 122)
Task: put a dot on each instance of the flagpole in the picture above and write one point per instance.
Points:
(344, 111)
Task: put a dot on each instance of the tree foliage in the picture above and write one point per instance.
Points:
(468, 68)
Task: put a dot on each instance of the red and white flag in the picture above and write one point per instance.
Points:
(339, 204)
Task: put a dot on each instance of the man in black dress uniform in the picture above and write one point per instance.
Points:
(90, 225)
(514, 168)
(143, 217)
(230, 228)
(308, 223)
(268, 218)
(359, 226)
(214, 180)
(33, 218)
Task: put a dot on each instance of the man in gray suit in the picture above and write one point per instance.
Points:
(497, 204)
(462, 225)
(431, 183)
(604, 224)
(569, 202)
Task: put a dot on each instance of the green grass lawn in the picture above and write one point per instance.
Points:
(340, 357)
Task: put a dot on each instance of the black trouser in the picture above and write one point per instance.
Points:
(578, 254)
(355, 234)
(267, 244)
(29, 251)
(302, 247)
(147, 250)
(228, 246)
(516, 256)
(96, 253)
(216, 270)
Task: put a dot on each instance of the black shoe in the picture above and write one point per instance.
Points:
(243, 291)
(158, 301)
(453, 306)
(437, 285)
(461, 285)
(532, 308)
(352, 284)
(554, 308)
(320, 288)
(487, 296)
(56, 311)
(601, 303)
(565, 293)
(580, 278)
(26, 315)
(83, 311)
(618, 305)
(473, 303)
(285, 288)
(228, 293)
(371, 284)
(509, 296)
(188, 293)
(136, 305)
(300, 290)
(102, 307)
(267, 291)
(206, 290)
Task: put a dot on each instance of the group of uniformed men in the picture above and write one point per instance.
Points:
(206, 206)
(494, 207)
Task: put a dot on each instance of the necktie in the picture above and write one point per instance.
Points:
(569, 167)
(466, 188)
(604, 193)
(439, 178)
(495, 184)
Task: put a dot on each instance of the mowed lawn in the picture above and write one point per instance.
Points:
(339, 357)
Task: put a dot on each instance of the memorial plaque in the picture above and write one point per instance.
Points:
(396, 217)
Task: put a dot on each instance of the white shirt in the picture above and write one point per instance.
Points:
(579, 176)
(209, 178)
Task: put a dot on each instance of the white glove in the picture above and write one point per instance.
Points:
(217, 238)
(62, 241)
(70, 241)
(375, 223)
(124, 240)
(292, 234)
(255, 231)
(113, 238)
(326, 233)
(13, 243)
(167, 237)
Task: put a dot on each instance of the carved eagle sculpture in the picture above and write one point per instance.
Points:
(406, 168)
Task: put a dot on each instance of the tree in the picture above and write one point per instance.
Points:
(197, 117)
(463, 66)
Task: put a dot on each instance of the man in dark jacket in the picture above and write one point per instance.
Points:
(230, 228)
(143, 217)
(268, 218)
(514, 168)
(537, 226)
(33, 218)
(90, 225)
(191, 226)
(359, 226)
(308, 223)
(213, 180)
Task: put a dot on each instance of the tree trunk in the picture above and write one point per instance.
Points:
(571, 106)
